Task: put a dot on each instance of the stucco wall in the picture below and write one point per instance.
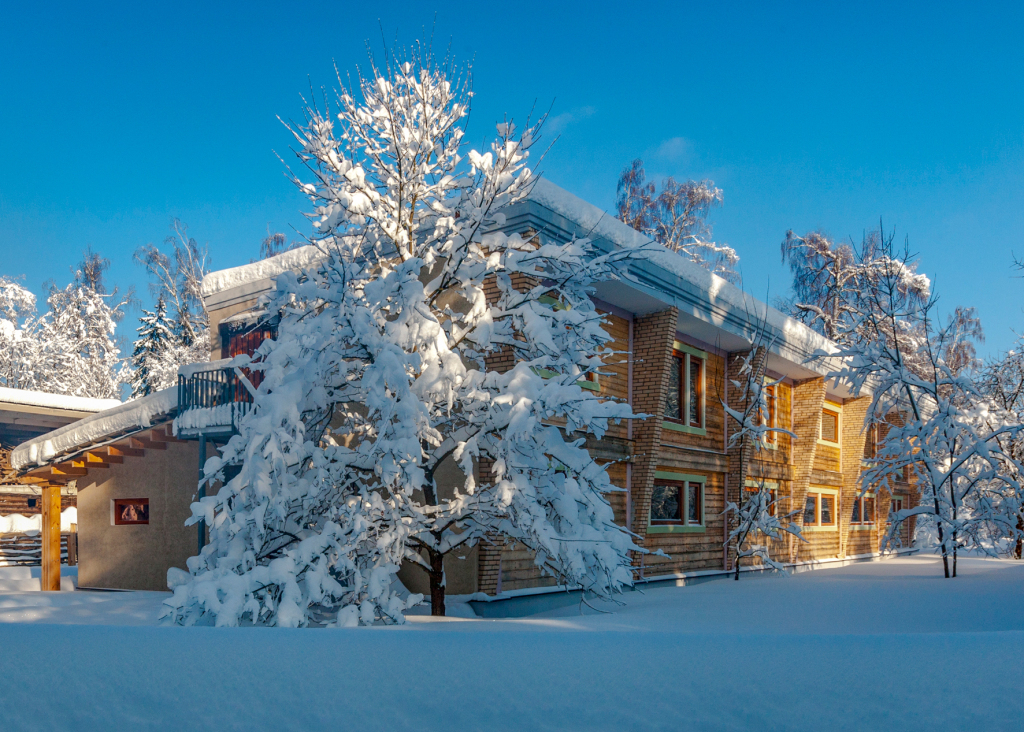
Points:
(137, 557)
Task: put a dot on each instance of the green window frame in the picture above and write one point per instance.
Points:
(691, 365)
(686, 484)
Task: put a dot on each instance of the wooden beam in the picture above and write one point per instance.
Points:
(50, 574)
(98, 457)
(161, 434)
(123, 451)
(88, 464)
(139, 443)
(68, 470)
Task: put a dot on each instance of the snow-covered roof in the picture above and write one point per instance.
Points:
(671, 279)
(711, 309)
(95, 429)
(23, 397)
(228, 286)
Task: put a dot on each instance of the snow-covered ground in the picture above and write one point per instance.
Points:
(885, 645)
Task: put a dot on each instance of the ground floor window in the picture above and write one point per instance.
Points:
(753, 486)
(678, 502)
(863, 511)
(129, 511)
(820, 508)
(896, 504)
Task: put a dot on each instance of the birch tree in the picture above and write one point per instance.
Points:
(951, 437)
(676, 216)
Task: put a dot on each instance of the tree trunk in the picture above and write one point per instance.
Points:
(1020, 541)
(436, 583)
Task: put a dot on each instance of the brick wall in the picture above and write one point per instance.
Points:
(851, 454)
(653, 336)
(808, 398)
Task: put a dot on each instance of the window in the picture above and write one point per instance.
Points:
(769, 420)
(896, 504)
(753, 487)
(673, 400)
(238, 342)
(863, 511)
(684, 402)
(811, 510)
(694, 509)
(130, 511)
(829, 426)
(871, 442)
(820, 508)
(677, 503)
(696, 397)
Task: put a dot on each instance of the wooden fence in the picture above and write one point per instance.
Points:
(26, 550)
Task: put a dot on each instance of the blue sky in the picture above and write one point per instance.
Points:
(114, 119)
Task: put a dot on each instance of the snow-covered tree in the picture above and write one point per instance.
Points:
(71, 349)
(949, 434)
(833, 281)
(426, 342)
(677, 217)
(20, 346)
(755, 521)
(151, 367)
(1002, 380)
(176, 278)
(80, 352)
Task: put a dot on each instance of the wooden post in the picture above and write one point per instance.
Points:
(50, 575)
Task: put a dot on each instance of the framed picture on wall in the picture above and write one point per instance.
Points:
(129, 511)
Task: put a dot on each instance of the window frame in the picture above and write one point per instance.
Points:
(837, 410)
(116, 510)
(893, 499)
(817, 492)
(752, 486)
(688, 355)
(859, 502)
(771, 439)
(682, 481)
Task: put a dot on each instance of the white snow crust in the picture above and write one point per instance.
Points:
(16, 523)
(134, 415)
(54, 401)
(864, 647)
(265, 269)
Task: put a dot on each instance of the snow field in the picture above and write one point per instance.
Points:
(886, 645)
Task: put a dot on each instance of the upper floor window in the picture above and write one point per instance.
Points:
(871, 442)
(769, 418)
(830, 425)
(684, 402)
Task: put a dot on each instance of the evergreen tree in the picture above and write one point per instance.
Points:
(150, 353)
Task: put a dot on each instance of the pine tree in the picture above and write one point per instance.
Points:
(149, 357)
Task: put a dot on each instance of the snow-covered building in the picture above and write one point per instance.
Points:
(27, 414)
(684, 333)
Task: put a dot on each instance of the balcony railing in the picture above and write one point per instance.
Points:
(211, 402)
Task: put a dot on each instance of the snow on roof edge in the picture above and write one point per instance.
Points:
(54, 401)
(600, 224)
(265, 269)
(135, 415)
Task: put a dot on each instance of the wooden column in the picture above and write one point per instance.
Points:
(50, 576)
